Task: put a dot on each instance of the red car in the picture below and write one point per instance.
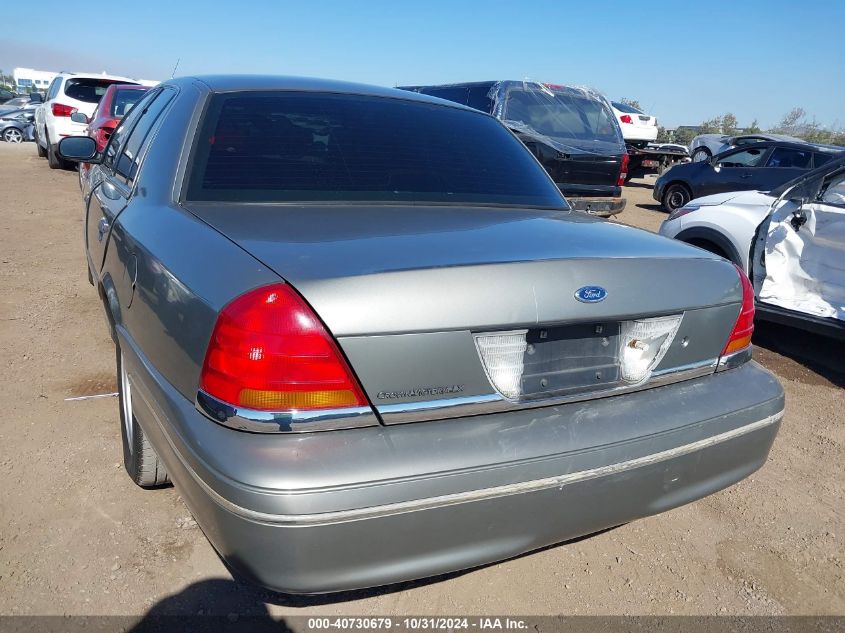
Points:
(114, 104)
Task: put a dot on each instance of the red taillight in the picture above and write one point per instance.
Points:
(60, 109)
(626, 118)
(623, 172)
(102, 136)
(740, 337)
(270, 352)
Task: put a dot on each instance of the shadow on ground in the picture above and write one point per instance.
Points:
(800, 356)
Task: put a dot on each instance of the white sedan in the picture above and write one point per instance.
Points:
(637, 126)
(789, 241)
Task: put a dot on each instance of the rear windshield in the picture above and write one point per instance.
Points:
(88, 90)
(123, 100)
(288, 146)
(624, 107)
(563, 115)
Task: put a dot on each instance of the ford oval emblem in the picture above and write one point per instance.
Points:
(591, 294)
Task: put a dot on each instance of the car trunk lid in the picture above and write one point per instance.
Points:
(407, 291)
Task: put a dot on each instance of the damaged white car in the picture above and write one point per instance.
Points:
(790, 241)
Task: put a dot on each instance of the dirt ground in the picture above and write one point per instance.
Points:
(78, 537)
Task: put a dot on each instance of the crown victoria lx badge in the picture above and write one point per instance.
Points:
(591, 294)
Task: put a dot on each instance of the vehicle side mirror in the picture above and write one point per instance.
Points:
(78, 117)
(80, 149)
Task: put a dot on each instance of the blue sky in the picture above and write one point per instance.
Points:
(684, 61)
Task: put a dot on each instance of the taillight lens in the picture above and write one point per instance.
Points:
(60, 109)
(626, 118)
(102, 136)
(623, 172)
(740, 337)
(270, 352)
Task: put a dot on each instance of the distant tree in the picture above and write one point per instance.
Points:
(711, 126)
(754, 128)
(729, 124)
(684, 136)
(631, 102)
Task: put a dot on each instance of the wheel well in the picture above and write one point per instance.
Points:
(710, 241)
(707, 245)
(678, 182)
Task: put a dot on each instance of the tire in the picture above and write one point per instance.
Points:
(42, 153)
(675, 196)
(53, 159)
(701, 154)
(139, 457)
(13, 135)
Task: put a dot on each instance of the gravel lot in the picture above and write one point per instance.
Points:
(77, 537)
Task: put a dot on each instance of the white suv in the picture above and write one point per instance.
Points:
(68, 93)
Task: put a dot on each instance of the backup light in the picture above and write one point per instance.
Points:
(643, 344)
(502, 354)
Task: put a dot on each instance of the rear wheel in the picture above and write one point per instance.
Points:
(13, 135)
(53, 159)
(675, 196)
(139, 457)
(42, 153)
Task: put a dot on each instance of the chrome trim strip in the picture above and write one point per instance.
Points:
(732, 361)
(536, 485)
(465, 406)
(283, 422)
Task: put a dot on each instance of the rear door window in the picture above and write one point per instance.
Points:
(789, 157)
(121, 132)
(129, 160)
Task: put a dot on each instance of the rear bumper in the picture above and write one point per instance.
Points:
(341, 510)
(603, 207)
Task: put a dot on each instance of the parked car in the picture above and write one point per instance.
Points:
(363, 333)
(116, 101)
(17, 126)
(638, 128)
(789, 240)
(704, 146)
(68, 93)
(760, 166)
(18, 103)
(6, 95)
(571, 131)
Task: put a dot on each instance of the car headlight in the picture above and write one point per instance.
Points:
(681, 211)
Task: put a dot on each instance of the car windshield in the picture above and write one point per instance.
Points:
(88, 90)
(288, 147)
(564, 115)
(624, 107)
(123, 100)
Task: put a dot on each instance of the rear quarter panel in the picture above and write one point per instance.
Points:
(167, 274)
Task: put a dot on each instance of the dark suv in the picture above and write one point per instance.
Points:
(571, 131)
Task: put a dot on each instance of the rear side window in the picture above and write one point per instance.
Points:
(123, 100)
(788, 157)
(88, 90)
(820, 158)
(130, 158)
(286, 146)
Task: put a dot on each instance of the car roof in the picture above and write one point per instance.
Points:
(70, 75)
(801, 145)
(238, 83)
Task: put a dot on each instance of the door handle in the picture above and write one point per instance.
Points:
(102, 228)
(746, 175)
